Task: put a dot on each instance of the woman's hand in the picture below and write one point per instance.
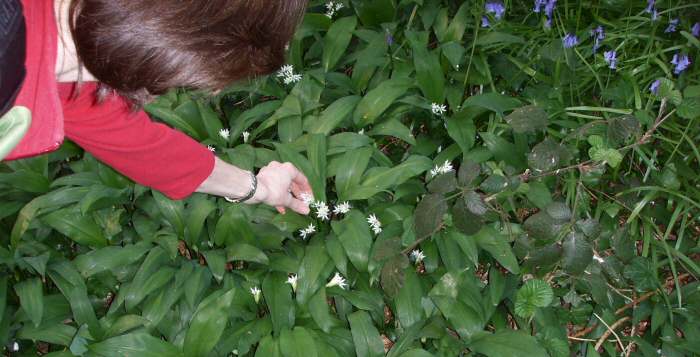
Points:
(282, 185)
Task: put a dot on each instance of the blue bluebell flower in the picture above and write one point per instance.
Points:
(485, 22)
(538, 5)
(654, 88)
(681, 61)
(672, 25)
(598, 35)
(496, 8)
(695, 30)
(549, 7)
(570, 40)
(389, 38)
(611, 59)
(651, 6)
(654, 15)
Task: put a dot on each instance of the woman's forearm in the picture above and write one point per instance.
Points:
(227, 180)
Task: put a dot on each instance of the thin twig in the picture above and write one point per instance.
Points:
(611, 330)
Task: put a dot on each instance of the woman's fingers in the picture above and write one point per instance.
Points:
(298, 178)
(299, 206)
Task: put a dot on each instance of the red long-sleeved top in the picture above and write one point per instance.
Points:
(150, 153)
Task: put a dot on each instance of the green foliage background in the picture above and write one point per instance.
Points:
(572, 209)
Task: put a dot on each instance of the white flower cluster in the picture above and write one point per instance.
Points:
(225, 133)
(337, 280)
(417, 256)
(304, 233)
(342, 208)
(332, 8)
(323, 212)
(246, 136)
(445, 168)
(256, 294)
(292, 280)
(374, 224)
(438, 109)
(287, 74)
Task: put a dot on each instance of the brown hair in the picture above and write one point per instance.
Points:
(142, 48)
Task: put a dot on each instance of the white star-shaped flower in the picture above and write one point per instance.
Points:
(417, 256)
(307, 198)
(304, 233)
(374, 224)
(286, 70)
(292, 280)
(322, 211)
(342, 208)
(211, 148)
(337, 280)
(225, 133)
(256, 294)
(442, 169)
(246, 136)
(438, 109)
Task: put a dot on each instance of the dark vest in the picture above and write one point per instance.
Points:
(12, 52)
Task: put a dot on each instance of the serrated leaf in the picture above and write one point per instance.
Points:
(527, 119)
(443, 183)
(533, 294)
(689, 108)
(392, 275)
(468, 172)
(623, 129)
(428, 216)
(577, 253)
(547, 155)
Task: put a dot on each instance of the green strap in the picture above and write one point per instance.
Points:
(13, 127)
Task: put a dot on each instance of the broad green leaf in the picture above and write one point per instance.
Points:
(319, 309)
(463, 131)
(533, 294)
(109, 258)
(353, 165)
(375, 12)
(623, 129)
(507, 344)
(428, 216)
(199, 208)
(641, 273)
(393, 127)
(494, 102)
(354, 234)
(216, 262)
(384, 178)
(172, 211)
(208, 323)
(278, 296)
(429, 75)
(337, 40)
(455, 31)
(457, 297)
(365, 335)
(31, 298)
(577, 253)
(527, 119)
(376, 101)
(297, 343)
(246, 252)
(408, 302)
(498, 246)
(135, 344)
(268, 347)
(138, 289)
(310, 274)
(74, 225)
(334, 115)
(392, 275)
(72, 286)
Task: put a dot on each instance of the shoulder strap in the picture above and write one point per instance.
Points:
(12, 52)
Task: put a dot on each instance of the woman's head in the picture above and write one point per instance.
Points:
(142, 48)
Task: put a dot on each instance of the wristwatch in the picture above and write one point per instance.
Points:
(250, 194)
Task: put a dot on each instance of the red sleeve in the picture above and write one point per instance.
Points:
(152, 154)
